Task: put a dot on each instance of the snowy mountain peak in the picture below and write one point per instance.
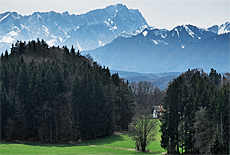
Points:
(5, 16)
(66, 13)
(140, 30)
(183, 47)
(85, 32)
(190, 32)
(116, 8)
(182, 33)
(145, 33)
(223, 28)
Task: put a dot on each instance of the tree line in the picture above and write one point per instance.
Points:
(196, 114)
(146, 96)
(53, 94)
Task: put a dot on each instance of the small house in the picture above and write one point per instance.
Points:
(157, 111)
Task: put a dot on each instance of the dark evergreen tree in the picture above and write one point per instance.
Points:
(23, 85)
(72, 51)
(5, 108)
(215, 77)
(203, 132)
(49, 95)
(32, 103)
(13, 50)
(6, 54)
(78, 53)
(66, 51)
(184, 97)
(2, 57)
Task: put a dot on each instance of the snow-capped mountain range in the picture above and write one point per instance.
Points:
(160, 50)
(85, 32)
(224, 28)
(121, 39)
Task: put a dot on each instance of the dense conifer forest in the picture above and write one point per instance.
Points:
(196, 114)
(52, 94)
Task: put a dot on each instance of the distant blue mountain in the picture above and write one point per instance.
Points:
(155, 50)
(121, 39)
(85, 32)
(223, 28)
(160, 80)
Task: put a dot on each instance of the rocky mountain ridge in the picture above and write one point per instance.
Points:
(121, 39)
(155, 50)
(86, 31)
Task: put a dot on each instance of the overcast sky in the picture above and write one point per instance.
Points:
(158, 13)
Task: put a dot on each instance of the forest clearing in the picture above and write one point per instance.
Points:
(115, 144)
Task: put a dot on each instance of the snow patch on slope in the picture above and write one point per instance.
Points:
(7, 39)
(115, 13)
(224, 28)
(52, 42)
(177, 32)
(158, 41)
(154, 41)
(46, 30)
(39, 16)
(113, 28)
(12, 33)
(61, 40)
(164, 35)
(145, 33)
(101, 43)
(5, 17)
(78, 46)
(189, 31)
(107, 23)
(23, 26)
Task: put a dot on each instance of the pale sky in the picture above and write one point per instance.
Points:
(158, 13)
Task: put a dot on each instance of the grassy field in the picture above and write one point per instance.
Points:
(116, 144)
(54, 149)
(124, 141)
(21, 149)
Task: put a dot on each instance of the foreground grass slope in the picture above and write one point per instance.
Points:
(21, 149)
(116, 144)
(124, 141)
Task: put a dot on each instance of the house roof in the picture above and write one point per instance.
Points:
(158, 108)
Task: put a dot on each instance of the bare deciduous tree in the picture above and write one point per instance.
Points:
(146, 96)
(142, 129)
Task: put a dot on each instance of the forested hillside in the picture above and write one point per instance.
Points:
(57, 95)
(196, 114)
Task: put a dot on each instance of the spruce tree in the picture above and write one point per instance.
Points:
(32, 102)
(2, 58)
(23, 85)
(203, 132)
(72, 51)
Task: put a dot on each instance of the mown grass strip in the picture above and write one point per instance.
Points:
(25, 149)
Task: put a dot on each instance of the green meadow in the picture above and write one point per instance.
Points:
(116, 144)
(124, 141)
